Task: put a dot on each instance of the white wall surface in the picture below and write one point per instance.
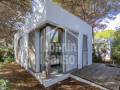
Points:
(57, 15)
(61, 17)
(37, 50)
(23, 59)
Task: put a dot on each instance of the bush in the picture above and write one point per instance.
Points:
(96, 58)
(1, 54)
(116, 47)
(6, 54)
(4, 84)
(8, 59)
(1, 65)
(116, 54)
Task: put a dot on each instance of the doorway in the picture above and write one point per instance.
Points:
(51, 50)
(85, 50)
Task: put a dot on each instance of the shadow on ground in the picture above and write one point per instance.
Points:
(22, 80)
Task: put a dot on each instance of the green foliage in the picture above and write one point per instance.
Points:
(117, 38)
(96, 58)
(1, 54)
(104, 34)
(57, 1)
(116, 47)
(4, 84)
(116, 53)
(6, 54)
(88, 10)
(1, 65)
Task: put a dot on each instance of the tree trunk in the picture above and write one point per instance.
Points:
(93, 37)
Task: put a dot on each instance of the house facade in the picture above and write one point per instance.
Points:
(54, 44)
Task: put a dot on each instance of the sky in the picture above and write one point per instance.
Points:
(110, 21)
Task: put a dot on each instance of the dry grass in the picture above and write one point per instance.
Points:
(22, 80)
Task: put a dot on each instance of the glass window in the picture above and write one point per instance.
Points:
(51, 43)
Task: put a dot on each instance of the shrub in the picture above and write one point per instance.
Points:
(1, 65)
(1, 54)
(4, 84)
(6, 54)
(8, 59)
(116, 53)
(116, 48)
(96, 58)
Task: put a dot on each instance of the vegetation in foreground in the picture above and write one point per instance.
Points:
(22, 80)
(4, 84)
(115, 48)
(6, 56)
(104, 34)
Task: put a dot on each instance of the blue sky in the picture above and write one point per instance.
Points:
(110, 21)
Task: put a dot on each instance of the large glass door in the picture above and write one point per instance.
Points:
(51, 51)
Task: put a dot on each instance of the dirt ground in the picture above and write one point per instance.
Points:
(22, 80)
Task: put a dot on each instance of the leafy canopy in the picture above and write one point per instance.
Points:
(116, 47)
(104, 34)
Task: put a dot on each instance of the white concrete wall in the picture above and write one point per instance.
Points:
(80, 40)
(80, 46)
(88, 32)
(58, 16)
(23, 59)
(37, 50)
(31, 51)
(63, 18)
(25, 51)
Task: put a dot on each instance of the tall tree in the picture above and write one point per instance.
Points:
(88, 10)
(11, 11)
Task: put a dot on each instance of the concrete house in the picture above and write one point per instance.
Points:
(53, 43)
